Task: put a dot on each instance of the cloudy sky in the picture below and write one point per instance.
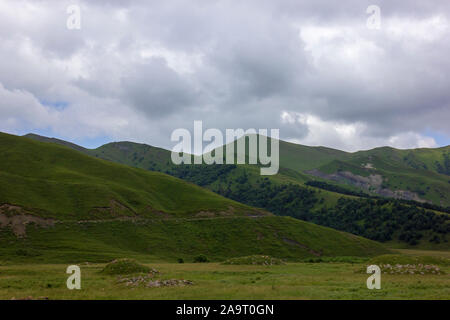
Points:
(137, 70)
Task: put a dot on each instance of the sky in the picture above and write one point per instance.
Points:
(318, 71)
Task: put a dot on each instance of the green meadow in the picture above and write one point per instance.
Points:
(327, 280)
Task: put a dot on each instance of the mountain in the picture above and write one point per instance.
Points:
(318, 184)
(60, 205)
(422, 175)
(71, 184)
(57, 141)
(301, 158)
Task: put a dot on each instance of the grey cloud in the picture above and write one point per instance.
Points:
(253, 65)
(156, 90)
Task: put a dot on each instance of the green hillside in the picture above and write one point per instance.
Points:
(401, 174)
(301, 158)
(405, 174)
(57, 204)
(134, 154)
(64, 184)
(212, 177)
(171, 239)
(322, 193)
(57, 141)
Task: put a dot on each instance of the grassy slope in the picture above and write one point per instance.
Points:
(55, 181)
(293, 160)
(57, 141)
(389, 163)
(401, 170)
(414, 170)
(170, 239)
(424, 158)
(68, 184)
(157, 159)
(134, 154)
(393, 164)
(301, 158)
(411, 170)
(153, 158)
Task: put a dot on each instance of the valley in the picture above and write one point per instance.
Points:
(61, 204)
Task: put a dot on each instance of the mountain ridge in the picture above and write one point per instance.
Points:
(60, 205)
(403, 171)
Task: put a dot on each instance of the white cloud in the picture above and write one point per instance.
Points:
(20, 109)
(430, 29)
(349, 136)
(138, 70)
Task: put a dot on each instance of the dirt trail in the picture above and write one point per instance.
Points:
(298, 244)
(17, 218)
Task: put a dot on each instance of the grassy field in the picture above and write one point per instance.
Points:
(171, 239)
(217, 281)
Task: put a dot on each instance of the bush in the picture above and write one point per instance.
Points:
(435, 239)
(339, 259)
(125, 266)
(201, 258)
(254, 260)
(313, 260)
(27, 253)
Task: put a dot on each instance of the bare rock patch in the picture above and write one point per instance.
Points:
(17, 218)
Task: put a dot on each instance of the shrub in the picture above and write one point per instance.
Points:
(27, 253)
(201, 258)
(313, 260)
(254, 260)
(125, 266)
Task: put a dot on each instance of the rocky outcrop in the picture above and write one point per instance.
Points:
(17, 218)
(372, 183)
